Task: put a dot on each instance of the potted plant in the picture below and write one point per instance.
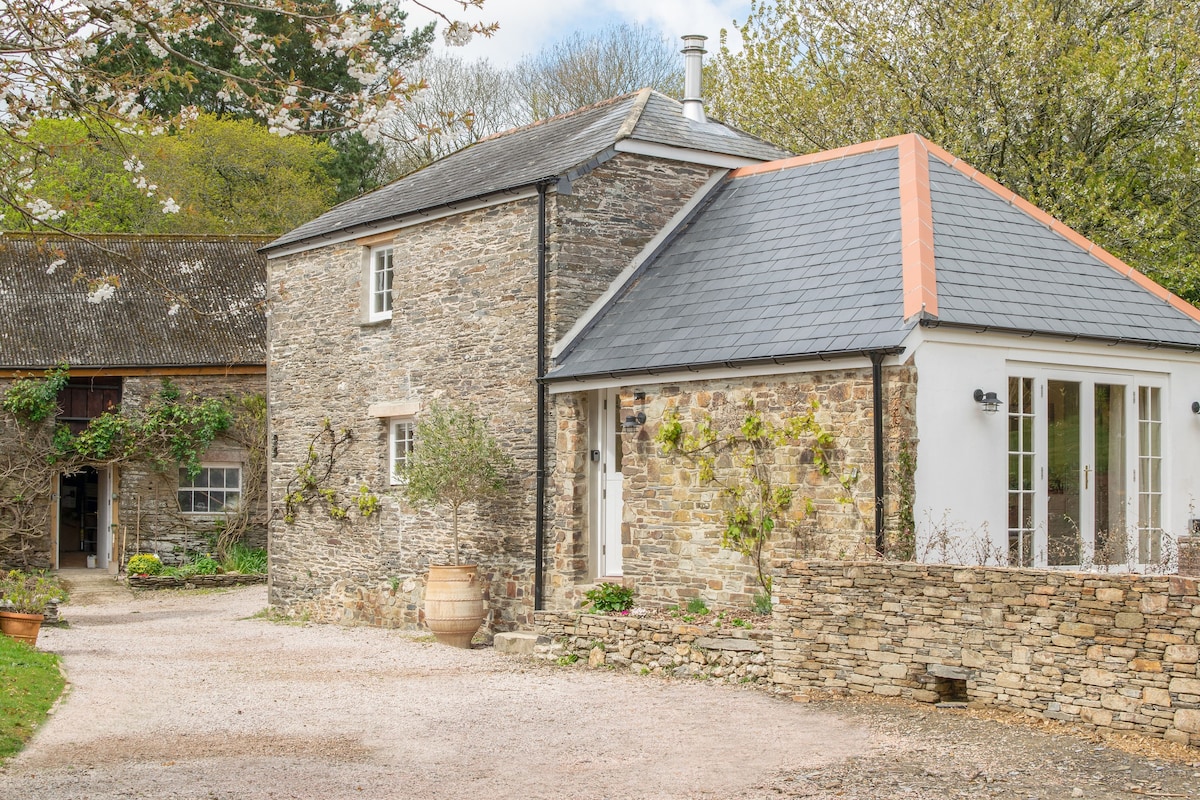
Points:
(23, 601)
(455, 461)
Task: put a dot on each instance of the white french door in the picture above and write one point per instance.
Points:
(1084, 470)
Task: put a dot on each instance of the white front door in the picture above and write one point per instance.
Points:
(607, 506)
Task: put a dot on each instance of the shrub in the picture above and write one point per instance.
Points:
(609, 597)
(144, 564)
(246, 560)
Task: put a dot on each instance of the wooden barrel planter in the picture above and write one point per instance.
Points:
(22, 627)
(454, 607)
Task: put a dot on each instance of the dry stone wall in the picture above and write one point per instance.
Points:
(657, 646)
(1113, 652)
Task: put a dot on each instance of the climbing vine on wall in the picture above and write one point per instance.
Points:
(170, 430)
(905, 477)
(744, 464)
(311, 485)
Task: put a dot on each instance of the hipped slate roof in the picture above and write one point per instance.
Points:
(178, 301)
(567, 145)
(845, 251)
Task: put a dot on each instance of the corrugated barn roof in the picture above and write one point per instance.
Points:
(121, 300)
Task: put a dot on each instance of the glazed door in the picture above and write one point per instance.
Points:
(607, 505)
(1087, 472)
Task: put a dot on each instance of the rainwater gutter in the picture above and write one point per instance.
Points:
(539, 534)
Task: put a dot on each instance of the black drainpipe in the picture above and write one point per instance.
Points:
(539, 536)
(877, 401)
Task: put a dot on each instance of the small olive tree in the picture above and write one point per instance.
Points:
(455, 461)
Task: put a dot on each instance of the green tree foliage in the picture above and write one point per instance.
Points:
(1089, 109)
(224, 175)
(325, 76)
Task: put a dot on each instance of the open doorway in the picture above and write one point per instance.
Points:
(83, 513)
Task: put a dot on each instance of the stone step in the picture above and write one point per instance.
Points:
(520, 642)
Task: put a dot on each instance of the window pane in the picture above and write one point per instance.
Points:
(233, 477)
(185, 501)
(1063, 472)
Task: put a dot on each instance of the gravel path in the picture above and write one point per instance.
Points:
(177, 695)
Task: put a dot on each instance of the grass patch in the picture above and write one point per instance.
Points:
(30, 682)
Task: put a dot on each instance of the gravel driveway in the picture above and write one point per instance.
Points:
(178, 695)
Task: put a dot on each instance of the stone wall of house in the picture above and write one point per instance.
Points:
(674, 522)
(148, 519)
(658, 646)
(463, 331)
(598, 229)
(1105, 651)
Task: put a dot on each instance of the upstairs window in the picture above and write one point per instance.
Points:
(381, 284)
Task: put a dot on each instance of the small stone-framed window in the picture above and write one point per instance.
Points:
(217, 488)
(401, 436)
(381, 274)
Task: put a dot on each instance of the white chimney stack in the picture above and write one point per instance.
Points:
(693, 62)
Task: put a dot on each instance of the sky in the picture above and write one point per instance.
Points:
(528, 25)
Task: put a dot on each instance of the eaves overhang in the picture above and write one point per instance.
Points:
(1067, 336)
(700, 367)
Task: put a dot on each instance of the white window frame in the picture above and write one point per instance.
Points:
(189, 486)
(402, 434)
(381, 277)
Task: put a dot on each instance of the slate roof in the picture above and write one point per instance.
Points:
(178, 301)
(545, 150)
(845, 252)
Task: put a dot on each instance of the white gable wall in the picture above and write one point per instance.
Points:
(962, 457)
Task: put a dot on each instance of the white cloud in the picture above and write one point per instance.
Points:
(528, 25)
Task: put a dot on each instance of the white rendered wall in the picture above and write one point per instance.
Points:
(962, 462)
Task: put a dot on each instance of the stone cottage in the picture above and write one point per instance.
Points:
(995, 389)
(125, 313)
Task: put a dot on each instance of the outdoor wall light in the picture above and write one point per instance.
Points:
(988, 400)
(637, 419)
(634, 421)
(1195, 407)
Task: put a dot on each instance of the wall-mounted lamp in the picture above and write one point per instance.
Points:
(989, 400)
(637, 419)
(1195, 407)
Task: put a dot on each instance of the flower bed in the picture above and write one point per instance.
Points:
(657, 646)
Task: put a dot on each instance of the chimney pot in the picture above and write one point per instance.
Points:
(693, 65)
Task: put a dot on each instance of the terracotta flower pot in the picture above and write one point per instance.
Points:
(22, 627)
(454, 607)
